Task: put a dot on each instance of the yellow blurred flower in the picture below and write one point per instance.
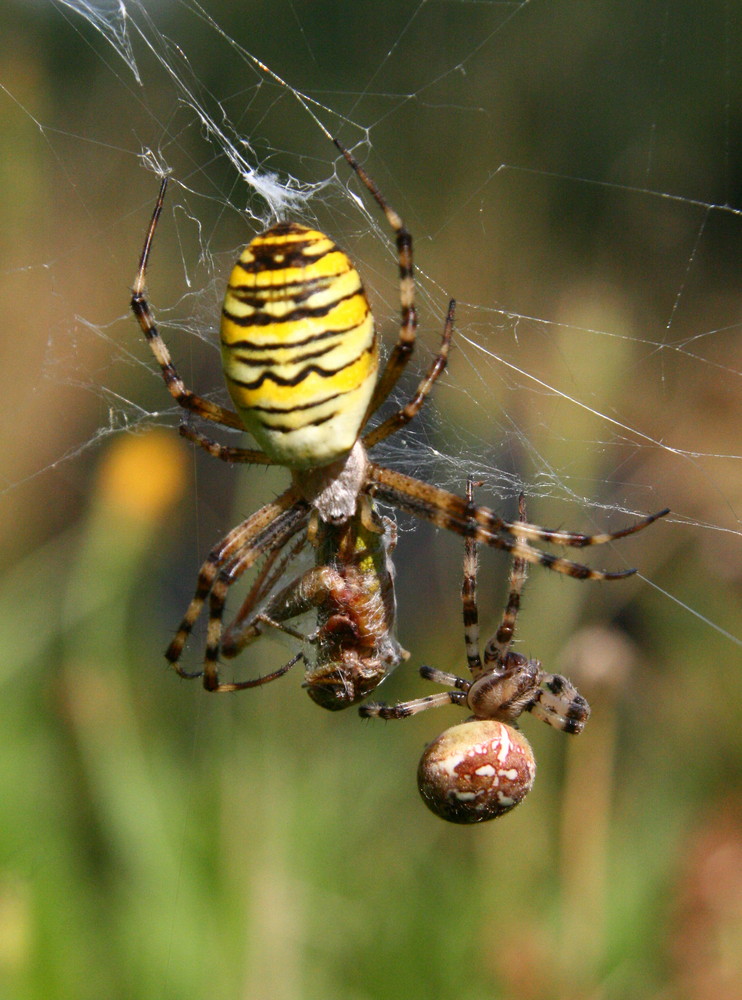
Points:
(143, 474)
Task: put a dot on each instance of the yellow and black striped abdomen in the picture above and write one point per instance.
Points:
(298, 346)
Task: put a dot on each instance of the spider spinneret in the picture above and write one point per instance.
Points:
(300, 358)
(482, 768)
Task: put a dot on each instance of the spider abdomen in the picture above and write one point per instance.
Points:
(299, 350)
(476, 771)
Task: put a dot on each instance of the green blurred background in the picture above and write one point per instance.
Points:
(573, 175)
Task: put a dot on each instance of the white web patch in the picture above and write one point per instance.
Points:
(596, 362)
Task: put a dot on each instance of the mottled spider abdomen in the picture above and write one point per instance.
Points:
(299, 350)
(476, 771)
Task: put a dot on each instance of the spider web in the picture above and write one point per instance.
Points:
(574, 185)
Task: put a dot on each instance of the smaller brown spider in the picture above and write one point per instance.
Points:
(483, 767)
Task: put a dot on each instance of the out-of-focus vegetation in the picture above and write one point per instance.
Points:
(156, 841)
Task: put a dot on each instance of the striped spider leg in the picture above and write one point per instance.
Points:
(482, 768)
(300, 357)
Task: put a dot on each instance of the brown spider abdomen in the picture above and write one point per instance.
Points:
(476, 771)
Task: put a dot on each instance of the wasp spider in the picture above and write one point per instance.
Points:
(484, 767)
(300, 358)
